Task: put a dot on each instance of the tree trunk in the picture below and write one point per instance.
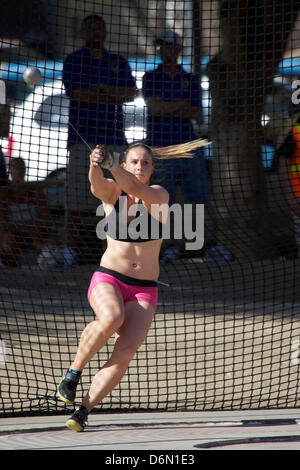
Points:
(254, 37)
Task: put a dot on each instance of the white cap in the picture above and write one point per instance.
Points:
(169, 37)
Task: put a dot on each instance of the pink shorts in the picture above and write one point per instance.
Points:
(131, 289)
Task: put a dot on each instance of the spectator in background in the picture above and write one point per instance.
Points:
(283, 133)
(4, 132)
(98, 83)
(173, 98)
(26, 216)
(3, 192)
(3, 171)
(287, 156)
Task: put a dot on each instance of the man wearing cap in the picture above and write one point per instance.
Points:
(173, 98)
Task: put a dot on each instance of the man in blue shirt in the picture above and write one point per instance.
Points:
(98, 83)
(173, 99)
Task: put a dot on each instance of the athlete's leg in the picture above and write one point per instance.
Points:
(108, 306)
(107, 303)
(129, 337)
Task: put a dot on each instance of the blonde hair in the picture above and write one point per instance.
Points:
(172, 151)
(178, 151)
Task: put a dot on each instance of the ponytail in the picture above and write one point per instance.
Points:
(172, 151)
(178, 151)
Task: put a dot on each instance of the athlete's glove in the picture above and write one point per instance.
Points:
(108, 160)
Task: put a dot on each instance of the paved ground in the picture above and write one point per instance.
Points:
(118, 434)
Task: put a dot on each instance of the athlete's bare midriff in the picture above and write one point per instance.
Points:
(138, 260)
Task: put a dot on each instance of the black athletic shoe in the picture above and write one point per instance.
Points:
(78, 420)
(66, 390)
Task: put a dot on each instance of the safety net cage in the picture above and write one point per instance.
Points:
(77, 73)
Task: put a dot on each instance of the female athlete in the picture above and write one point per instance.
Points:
(123, 291)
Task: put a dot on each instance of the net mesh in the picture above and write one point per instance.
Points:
(226, 334)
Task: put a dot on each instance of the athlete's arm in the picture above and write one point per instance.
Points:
(154, 194)
(103, 188)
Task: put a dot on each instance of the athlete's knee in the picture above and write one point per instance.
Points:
(123, 355)
(110, 318)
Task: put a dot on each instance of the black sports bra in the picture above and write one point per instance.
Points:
(142, 228)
